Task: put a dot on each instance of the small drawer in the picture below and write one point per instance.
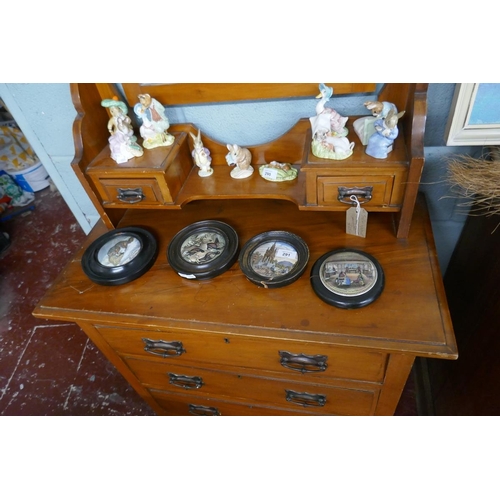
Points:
(380, 188)
(288, 394)
(130, 192)
(303, 360)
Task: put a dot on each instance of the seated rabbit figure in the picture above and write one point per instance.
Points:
(386, 131)
(201, 156)
(241, 157)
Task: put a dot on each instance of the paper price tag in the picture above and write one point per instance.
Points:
(287, 254)
(270, 174)
(356, 221)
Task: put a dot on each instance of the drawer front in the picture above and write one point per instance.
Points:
(130, 192)
(288, 394)
(381, 190)
(275, 355)
(191, 405)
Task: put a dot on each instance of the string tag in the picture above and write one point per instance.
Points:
(356, 219)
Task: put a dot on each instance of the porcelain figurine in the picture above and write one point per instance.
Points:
(386, 131)
(365, 126)
(278, 172)
(201, 156)
(241, 158)
(122, 141)
(328, 129)
(154, 122)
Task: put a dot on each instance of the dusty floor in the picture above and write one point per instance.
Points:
(48, 367)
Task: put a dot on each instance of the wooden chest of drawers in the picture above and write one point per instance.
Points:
(227, 347)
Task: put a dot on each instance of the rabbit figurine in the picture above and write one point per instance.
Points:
(386, 131)
(201, 156)
(241, 157)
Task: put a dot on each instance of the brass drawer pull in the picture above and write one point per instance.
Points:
(163, 348)
(185, 381)
(364, 193)
(303, 362)
(305, 399)
(204, 411)
(130, 195)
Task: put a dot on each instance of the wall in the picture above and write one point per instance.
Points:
(45, 113)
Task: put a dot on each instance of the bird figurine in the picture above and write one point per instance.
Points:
(327, 120)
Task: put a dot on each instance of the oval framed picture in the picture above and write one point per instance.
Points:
(203, 250)
(347, 278)
(120, 256)
(274, 259)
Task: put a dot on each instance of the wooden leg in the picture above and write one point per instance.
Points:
(398, 370)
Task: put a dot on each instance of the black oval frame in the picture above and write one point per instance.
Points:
(291, 239)
(210, 269)
(120, 275)
(342, 301)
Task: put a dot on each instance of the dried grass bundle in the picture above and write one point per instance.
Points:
(478, 180)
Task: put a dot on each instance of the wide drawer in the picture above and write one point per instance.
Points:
(288, 394)
(191, 405)
(188, 348)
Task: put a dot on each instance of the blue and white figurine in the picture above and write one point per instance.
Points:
(385, 131)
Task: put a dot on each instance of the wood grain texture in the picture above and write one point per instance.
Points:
(195, 93)
(411, 315)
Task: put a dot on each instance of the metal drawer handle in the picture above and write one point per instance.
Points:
(130, 195)
(185, 381)
(345, 192)
(303, 362)
(204, 411)
(305, 399)
(163, 348)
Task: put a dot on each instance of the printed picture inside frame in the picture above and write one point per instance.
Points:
(120, 256)
(203, 250)
(347, 278)
(274, 259)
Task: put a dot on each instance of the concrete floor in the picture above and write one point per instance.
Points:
(49, 367)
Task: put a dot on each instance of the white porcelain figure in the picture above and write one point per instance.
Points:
(201, 156)
(328, 129)
(122, 141)
(241, 157)
(154, 122)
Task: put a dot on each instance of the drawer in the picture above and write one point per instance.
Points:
(191, 405)
(250, 352)
(380, 187)
(144, 192)
(288, 394)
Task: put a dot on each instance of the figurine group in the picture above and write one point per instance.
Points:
(122, 141)
(329, 134)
